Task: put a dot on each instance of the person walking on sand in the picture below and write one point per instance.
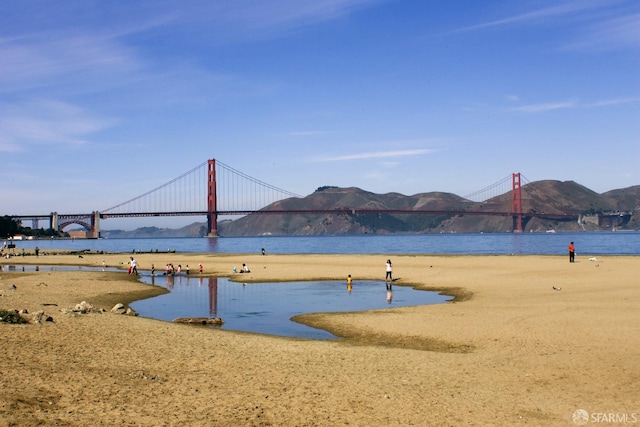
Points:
(572, 252)
(134, 266)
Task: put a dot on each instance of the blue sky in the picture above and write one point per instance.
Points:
(101, 101)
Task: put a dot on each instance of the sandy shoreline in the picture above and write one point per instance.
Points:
(509, 350)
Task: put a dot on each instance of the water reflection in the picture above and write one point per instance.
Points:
(265, 308)
(268, 307)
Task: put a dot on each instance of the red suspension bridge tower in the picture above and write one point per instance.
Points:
(516, 202)
(212, 206)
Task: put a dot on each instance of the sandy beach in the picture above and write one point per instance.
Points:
(509, 350)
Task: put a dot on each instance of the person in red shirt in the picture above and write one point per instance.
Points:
(572, 252)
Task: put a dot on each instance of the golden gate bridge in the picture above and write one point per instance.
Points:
(214, 189)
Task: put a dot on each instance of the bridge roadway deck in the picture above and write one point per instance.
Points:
(344, 211)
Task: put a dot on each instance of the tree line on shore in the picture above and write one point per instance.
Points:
(10, 227)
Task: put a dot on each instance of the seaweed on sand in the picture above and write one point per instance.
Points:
(11, 316)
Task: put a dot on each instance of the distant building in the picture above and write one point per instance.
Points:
(77, 234)
(607, 220)
(21, 237)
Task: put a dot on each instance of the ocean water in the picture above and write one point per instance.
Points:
(600, 243)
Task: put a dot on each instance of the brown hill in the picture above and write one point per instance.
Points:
(331, 198)
(545, 197)
(548, 197)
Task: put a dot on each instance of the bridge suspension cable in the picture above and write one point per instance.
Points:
(188, 183)
(239, 191)
(496, 189)
(187, 193)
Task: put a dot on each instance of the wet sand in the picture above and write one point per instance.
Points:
(509, 350)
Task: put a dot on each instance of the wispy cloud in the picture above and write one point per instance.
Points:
(609, 33)
(257, 18)
(541, 108)
(310, 133)
(378, 155)
(37, 61)
(535, 15)
(613, 102)
(593, 25)
(46, 122)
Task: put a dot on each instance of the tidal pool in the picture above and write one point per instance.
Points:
(267, 308)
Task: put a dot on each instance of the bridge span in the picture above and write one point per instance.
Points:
(197, 193)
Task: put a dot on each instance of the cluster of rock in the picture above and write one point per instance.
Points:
(121, 309)
(22, 316)
(40, 317)
(85, 308)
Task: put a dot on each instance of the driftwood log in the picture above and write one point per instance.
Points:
(200, 320)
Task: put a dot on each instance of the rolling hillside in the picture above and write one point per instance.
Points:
(551, 197)
(548, 196)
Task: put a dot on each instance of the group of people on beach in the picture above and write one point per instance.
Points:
(169, 269)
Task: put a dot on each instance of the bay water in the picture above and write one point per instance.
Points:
(587, 243)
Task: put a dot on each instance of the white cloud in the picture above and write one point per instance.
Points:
(378, 155)
(310, 133)
(257, 18)
(610, 33)
(536, 15)
(613, 101)
(595, 25)
(541, 108)
(46, 122)
(45, 61)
